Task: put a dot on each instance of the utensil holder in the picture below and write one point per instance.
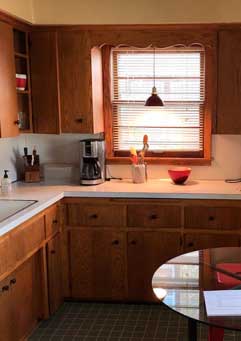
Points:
(139, 173)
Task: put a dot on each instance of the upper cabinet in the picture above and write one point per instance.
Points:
(229, 83)
(23, 83)
(66, 83)
(45, 88)
(8, 98)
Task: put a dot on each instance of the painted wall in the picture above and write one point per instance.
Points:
(135, 11)
(65, 149)
(19, 8)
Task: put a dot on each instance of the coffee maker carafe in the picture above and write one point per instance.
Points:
(92, 161)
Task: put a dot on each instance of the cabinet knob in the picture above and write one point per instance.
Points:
(211, 218)
(133, 242)
(190, 244)
(5, 288)
(153, 217)
(94, 216)
(17, 122)
(55, 221)
(53, 252)
(13, 281)
(115, 242)
(79, 120)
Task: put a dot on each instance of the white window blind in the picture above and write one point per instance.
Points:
(180, 82)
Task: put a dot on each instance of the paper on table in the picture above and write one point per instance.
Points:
(223, 302)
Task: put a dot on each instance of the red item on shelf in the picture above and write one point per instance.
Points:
(226, 281)
(21, 81)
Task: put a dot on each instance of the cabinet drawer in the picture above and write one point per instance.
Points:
(153, 216)
(52, 221)
(98, 215)
(5, 253)
(224, 218)
(27, 237)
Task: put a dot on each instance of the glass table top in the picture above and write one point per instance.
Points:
(180, 282)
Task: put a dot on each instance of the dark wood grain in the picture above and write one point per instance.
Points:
(229, 83)
(146, 252)
(97, 264)
(45, 94)
(54, 273)
(8, 96)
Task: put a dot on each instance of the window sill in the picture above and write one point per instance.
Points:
(162, 161)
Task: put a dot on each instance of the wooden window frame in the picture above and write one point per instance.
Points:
(188, 158)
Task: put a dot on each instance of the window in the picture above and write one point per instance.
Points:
(176, 130)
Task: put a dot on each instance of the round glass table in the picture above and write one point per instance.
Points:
(180, 284)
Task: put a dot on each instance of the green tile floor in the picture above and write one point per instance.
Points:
(124, 322)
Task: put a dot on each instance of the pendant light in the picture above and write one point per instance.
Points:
(154, 100)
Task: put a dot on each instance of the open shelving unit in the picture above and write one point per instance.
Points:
(22, 66)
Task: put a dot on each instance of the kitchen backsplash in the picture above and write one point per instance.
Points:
(65, 148)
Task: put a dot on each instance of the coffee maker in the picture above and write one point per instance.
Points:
(92, 161)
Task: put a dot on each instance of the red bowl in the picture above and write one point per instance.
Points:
(179, 174)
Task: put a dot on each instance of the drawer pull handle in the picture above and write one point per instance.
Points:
(13, 281)
(211, 218)
(153, 216)
(55, 221)
(190, 244)
(79, 120)
(115, 242)
(133, 242)
(53, 252)
(94, 216)
(5, 288)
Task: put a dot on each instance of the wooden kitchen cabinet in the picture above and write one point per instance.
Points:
(80, 81)
(150, 216)
(212, 217)
(66, 83)
(147, 251)
(54, 273)
(198, 241)
(229, 82)
(52, 221)
(21, 301)
(45, 86)
(95, 213)
(8, 96)
(97, 264)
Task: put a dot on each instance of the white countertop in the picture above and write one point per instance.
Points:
(48, 194)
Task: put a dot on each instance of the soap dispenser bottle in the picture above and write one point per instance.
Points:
(6, 184)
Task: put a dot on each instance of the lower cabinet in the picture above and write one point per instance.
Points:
(54, 273)
(97, 264)
(197, 241)
(21, 300)
(146, 252)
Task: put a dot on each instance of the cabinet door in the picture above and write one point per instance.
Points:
(97, 264)
(199, 241)
(229, 83)
(8, 95)
(146, 252)
(45, 87)
(6, 327)
(80, 77)
(54, 273)
(20, 301)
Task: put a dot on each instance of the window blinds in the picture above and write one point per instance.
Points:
(180, 82)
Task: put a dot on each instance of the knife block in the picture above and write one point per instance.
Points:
(32, 172)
